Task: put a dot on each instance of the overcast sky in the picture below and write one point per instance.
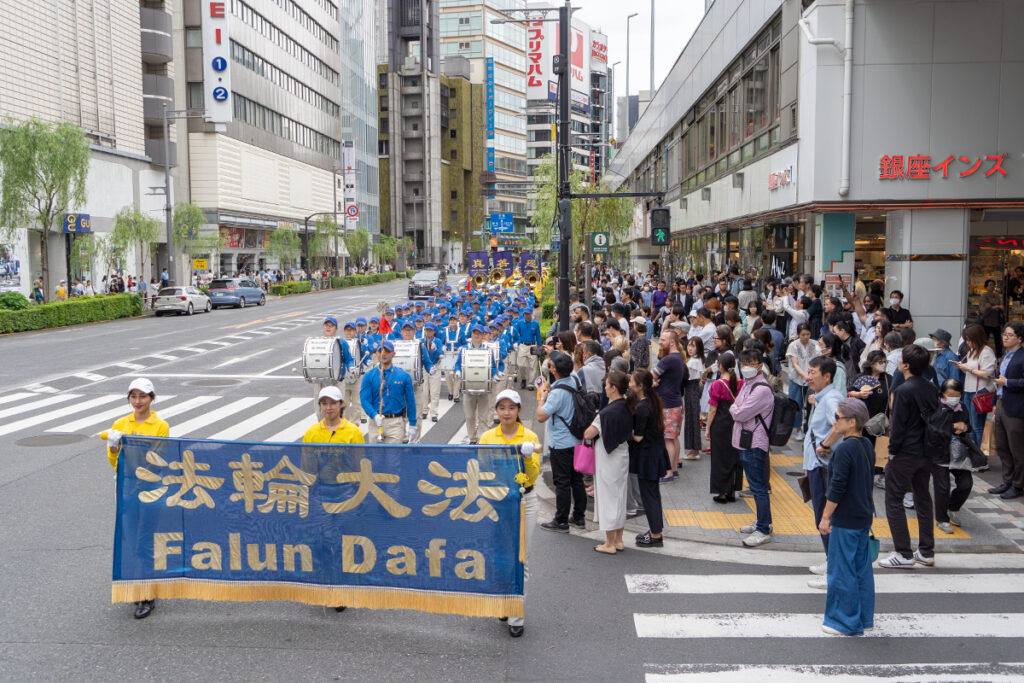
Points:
(674, 23)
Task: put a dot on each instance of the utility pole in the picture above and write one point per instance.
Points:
(561, 67)
(167, 116)
(652, 49)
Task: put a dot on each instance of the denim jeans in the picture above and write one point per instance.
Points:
(977, 419)
(799, 394)
(754, 461)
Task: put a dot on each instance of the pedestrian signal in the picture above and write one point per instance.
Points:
(661, 231)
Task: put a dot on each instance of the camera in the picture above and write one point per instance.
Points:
(537, 350)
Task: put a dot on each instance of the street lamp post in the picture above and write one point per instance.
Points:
(628, 127)
(652, 49)
(168, 115)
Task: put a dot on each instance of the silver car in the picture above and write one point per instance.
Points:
(179, 300)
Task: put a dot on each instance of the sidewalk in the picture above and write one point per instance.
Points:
(990, 525)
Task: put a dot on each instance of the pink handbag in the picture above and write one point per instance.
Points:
(583, 457)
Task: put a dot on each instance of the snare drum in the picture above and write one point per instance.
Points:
(448, 361)
(356, 351)
(477, 365)
(409, 357)
(321, 359)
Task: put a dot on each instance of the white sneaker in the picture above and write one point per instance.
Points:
(820, 569)
(880, 481)
(752, 527)
(921, 559)
(896, 561)
(798, 435)
(954, 517)
(831, 631)
(818, 582)
(945, 527)
(908, 501)
(755, 539)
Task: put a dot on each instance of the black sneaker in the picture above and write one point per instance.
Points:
(455, 400)
(581, 522)
(646, 533)
(144, 608)
(555, 526)
(449, 397)
(522, 384)
(648, 541)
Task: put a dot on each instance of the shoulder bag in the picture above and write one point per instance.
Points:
(984, 401)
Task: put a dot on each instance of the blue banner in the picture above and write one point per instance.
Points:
(478, 263)
(490, 98)
(431, 528)
(504, 260)
(530, 263)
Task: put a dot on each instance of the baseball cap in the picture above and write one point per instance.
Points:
(639, 319)
(360, 321)
(510, 394)
(390, 310)
(479, 328)
(408, 323)
(387, 345)
(925, 343)
(332, 320)
(332, 393)
(374, 320)
(430, 326)
(142, 384)
(350, 324)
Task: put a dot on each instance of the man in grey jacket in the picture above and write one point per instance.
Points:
(591, 374)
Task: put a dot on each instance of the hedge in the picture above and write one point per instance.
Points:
(286, 288)
(71, 312)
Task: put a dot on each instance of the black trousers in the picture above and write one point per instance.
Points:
(997, 334)
(569, 487)
(650, 495)
(944, 500)
(1009, 432)
(909, 473)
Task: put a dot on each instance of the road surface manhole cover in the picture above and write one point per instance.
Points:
(213, 383)
(49, 440)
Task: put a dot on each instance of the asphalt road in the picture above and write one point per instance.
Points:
(688, 612)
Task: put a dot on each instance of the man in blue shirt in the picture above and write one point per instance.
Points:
(1009, 413)
(389, 399)
(452, 340)
(556, 407)
(818, 441)
(527, 334)
(430, 390)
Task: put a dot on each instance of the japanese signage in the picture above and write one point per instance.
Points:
(12, 255)
(431, 528)
(200, 264)
(924, 167)
(598, 50)
(76, 223)
(502, 223)
(348, 151)
(490, 98)
(1014, 243)
(542, 44)
(781, 178)
(600, 242)
(490, 164)
(216, 61)
(529, 263)
(478, 263)
(536, 64)
(504, 260)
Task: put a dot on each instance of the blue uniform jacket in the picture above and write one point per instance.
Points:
(398, 393)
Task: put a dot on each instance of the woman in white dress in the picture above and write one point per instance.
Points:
(611, 431)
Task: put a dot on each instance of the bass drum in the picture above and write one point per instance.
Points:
(448, 361)
(321, 359)
(477, 365)
(356, 352)
(409, 357)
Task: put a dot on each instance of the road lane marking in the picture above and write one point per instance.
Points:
(187, 429)
(294, 432)
(184, 407)
(45, 416)
(241, 359)
(131, 366)
(16, 397)
(268, 319)
(35, 405)
(909, 582)
(162, 356)
(96, 418)
(268, 416)
(89, 376)
(761, 626)
(282, 365)
(841, 673)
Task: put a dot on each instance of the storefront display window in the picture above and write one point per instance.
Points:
(997, 258)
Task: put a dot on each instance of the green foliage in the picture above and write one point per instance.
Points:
(409, 273)
(44, 172)
(386, 250)
(322, 242)
(286, 288)
(85, 309)
(13, 301)
(357, 243)
(284, 246)
(188, 222)
(136, 229)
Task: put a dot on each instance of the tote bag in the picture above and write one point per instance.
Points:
(583, 457)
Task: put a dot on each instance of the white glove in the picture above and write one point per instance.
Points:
(527, 448)
(433, 370)
(114, 439)
(412, 433)
(379, 419)
(458, 374)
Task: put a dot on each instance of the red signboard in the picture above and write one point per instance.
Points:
(599, 51)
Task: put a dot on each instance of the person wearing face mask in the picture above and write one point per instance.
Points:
(752, 413)
(831, 346)
(872, 387)
(899, 316)
(948, 504)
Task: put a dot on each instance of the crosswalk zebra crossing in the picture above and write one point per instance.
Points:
(229, 418)
(692, 626)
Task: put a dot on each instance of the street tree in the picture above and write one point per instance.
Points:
(43, 170)
(188, 220)
(134, 229)
(323, 241)
(357, 243)
(284, 246)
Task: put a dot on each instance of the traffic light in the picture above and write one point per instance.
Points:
(661, 231)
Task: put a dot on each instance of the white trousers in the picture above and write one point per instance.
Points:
(530, 501)
(526, 363)
(353, 407)
(428, 394)
(477, 409)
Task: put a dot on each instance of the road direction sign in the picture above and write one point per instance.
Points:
(600, 242)
(502, 223)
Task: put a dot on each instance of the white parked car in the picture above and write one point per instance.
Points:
(179, 300)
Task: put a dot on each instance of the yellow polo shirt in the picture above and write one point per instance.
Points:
(127, 425)
(531, 465)
(345, 433)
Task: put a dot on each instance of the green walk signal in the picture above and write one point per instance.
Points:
(661, 231)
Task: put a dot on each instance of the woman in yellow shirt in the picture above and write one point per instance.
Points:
(142, 422)
(333, 428)
(511, 432)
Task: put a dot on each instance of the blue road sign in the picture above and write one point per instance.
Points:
(502, 223)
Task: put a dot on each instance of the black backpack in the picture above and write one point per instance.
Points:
(938, 430)
(784, 417)
(584, 410)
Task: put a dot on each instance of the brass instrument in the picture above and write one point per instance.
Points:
(532, 279)
(479, 279)
(497, 276)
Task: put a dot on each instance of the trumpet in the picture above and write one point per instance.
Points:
(497, 275)
(479, 279)
(532, 279)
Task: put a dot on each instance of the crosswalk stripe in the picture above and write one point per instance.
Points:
(35, 405)
(16, 397)
(443, 406)
(45, 416)
(184, 407)
(901, 625)
(294, 432)
(188, 428)
(911, 582)
(162, 356)
(95, 418)
(276, 412)
(89, 376)
(812, 673)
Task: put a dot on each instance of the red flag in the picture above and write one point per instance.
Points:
(384, 327)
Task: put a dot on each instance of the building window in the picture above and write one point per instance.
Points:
(384, 125)
(383, 103)
(454, 194)
(193, 37)
(452, 134)
(455, 217)
(382, 148)
(451, 93)
(382, 81)
(454, 154)
(195, 96)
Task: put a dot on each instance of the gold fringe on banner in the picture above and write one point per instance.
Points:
(368, 597)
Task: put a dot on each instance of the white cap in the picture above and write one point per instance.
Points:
(333, 393)
(142, 384)
(639, 319)
(511, 395)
